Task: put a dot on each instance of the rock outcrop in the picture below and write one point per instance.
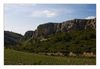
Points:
(66, 26)
(28, 34)
(46, 29)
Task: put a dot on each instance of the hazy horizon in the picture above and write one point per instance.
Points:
(23, 17)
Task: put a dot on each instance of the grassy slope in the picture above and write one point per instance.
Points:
(12, 57)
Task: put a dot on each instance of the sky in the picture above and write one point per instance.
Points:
(20, 18)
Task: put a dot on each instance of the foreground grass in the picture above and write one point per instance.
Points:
(12, 57)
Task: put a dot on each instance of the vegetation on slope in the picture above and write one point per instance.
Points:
(77, 42)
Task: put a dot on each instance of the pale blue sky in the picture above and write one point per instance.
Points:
(23, 17)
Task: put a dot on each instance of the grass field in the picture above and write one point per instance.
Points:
(12, 57)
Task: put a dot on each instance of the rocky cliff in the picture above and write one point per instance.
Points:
(66, 26)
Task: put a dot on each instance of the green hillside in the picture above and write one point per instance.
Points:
(77, 42)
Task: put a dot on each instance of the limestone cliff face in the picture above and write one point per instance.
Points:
(66, 26)
(78, 24)
(46, 29)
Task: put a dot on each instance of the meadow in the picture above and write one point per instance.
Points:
(13, 57)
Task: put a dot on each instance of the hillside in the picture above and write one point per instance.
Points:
(11, 38)
(77, 36)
